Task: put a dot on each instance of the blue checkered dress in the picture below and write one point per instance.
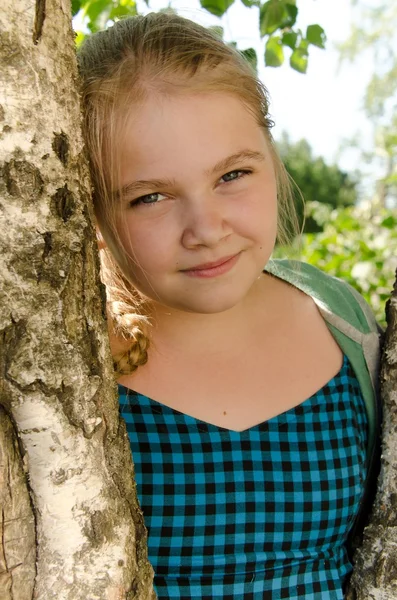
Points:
(258, 514)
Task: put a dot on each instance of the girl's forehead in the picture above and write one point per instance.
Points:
(191, 105)
(188, 120)
(166, 119)
(164, 137)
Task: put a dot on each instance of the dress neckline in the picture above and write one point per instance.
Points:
(203, 425)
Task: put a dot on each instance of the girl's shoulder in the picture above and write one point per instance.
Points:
(336, 299)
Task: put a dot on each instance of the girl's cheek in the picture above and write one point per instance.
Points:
(130, 234)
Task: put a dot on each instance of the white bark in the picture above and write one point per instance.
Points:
(375, 573)
(56, 373)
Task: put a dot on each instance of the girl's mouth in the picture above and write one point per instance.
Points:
(219, 267)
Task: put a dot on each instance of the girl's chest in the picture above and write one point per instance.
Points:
(248, 384)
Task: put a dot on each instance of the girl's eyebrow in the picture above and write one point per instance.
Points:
(223, 165)
(143, 185)
(230, 161)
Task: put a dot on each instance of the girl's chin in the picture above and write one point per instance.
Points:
(212, 305)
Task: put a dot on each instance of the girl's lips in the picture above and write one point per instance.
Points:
(213, 269)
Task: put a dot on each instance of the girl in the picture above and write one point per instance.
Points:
(247, 385)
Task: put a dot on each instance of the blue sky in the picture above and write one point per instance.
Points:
(323, 106)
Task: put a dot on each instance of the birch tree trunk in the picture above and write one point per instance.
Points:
(375, 573)
(71, 528)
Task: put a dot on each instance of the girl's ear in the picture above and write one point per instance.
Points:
(101, 242)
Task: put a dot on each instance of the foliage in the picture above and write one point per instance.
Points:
(98, 13)
(355, 245)
(316, 180)
(276, 18)
(375, 39)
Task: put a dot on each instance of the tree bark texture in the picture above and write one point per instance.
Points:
(18, 547)
(71, 527)
(375, 573)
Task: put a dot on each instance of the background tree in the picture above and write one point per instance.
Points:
(353, 244)
(316, 180)
(276, 23)
(374, 37)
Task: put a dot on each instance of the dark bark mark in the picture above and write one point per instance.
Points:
(95, 258)
(79, 421)
(102, 291)
(94, 362)
(47, 245)
(9, 340)
(64, 203)
(391, 315)
(2, 113)
(46, 251)
(59, 477)
(60, 145)
(100, 528)
(23, 179)
(39, 20)
(5, 336)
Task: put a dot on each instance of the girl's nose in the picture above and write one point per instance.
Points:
(205, 223)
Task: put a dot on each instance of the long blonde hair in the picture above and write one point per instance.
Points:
(167, 54)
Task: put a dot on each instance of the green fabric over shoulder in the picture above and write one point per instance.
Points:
(351, 322)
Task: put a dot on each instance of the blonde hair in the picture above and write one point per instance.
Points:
(167, 54)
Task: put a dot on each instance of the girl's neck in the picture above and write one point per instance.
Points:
(176, 331)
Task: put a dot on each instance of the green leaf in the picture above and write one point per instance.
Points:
(271, 16)
(84, 4)
(92, 26)
(217, 30)
(123, 11)
(250, 55)
(216, 7)
(389, 222)
(274, 53)
(299, 60)
(289, 39)
(292, 14)
(79, 38)
(316, 36)
(276, 14)
(250, 3)
(95, 8)
(76, 5)
(304, 46)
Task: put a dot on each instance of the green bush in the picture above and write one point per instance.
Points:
(355, 245)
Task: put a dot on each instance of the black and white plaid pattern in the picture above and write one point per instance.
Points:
(258, 514)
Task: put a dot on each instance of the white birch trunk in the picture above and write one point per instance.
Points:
(375, 573)
(56, 375)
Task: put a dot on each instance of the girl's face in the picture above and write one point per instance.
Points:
(198, 217)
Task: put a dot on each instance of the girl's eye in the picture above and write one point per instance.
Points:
(154, 198)
(232, 175)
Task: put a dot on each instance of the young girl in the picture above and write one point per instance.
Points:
(247, 385)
